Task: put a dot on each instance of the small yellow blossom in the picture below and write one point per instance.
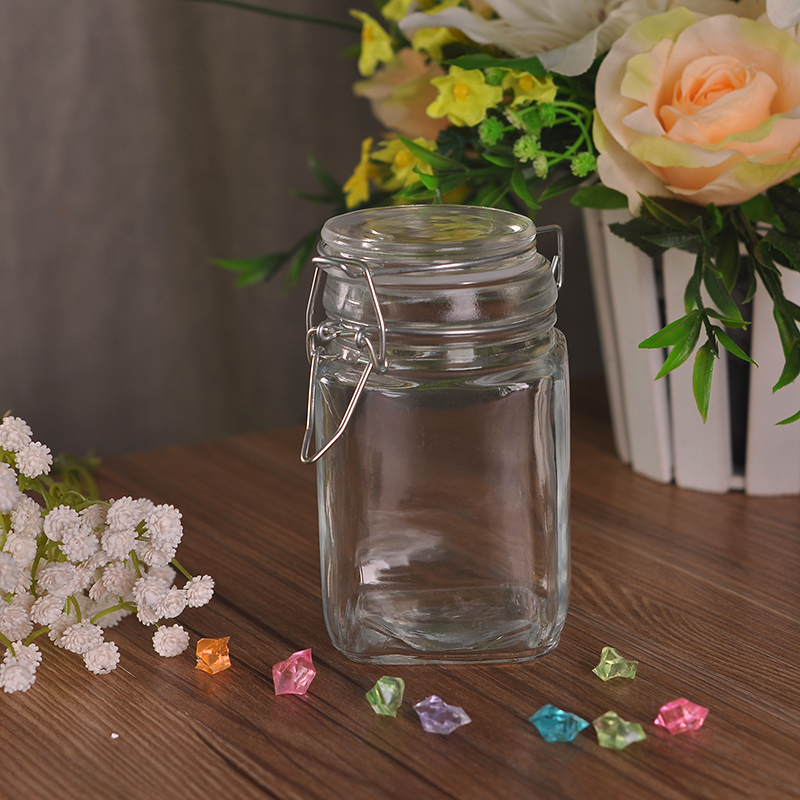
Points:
(395, 10)
(376, 44)
(464, 97)
(432, 40)
(402, 162)
(528, 89)
(356, 189)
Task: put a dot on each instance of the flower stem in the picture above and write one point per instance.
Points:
(46, 629)
(121, 606)
(8, 644)
(271, 12)
(181, 569)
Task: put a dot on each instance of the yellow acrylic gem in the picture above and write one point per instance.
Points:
(212, 655)
(613, 665)
(616, 733)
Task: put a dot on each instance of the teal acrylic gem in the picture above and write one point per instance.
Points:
(556, 725)
(616, 733)
(386, 696)
(613, 665)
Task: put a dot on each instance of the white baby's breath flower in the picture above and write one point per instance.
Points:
(87, 575)
(164, 527)
(170, 640)
(21, 548)
(102, 659)
(10, 494)
(16, 675)
(81, 636)
(27, 654)
(15, 623)
(24, 582)
(9, 573)
(47, 609)
(154, 557)
(15, 433)
(58, 627)
(166, 573)
(112, 619)
(59, 578)
(149, 591)
(173, 604)
(26, 518)
(119, 580)
(199, 590)
(62, 521)
(24, 600)
(79, 545)
(118, 542)
(94, 516)
(145, 506)
(34, 460)
(148, 615)
(99, 592)
(124, 513)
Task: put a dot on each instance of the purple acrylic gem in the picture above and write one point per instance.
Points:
(438, 717)
(681, 715)
(294, 675)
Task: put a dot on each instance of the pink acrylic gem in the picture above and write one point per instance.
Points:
(681, 715)
(294, 675)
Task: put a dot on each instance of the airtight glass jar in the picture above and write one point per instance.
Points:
(439, 423)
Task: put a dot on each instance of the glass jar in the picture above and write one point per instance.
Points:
(439, 411)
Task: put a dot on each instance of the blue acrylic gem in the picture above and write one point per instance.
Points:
(556, 725)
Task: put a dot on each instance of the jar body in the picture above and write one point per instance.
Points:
(443, 507)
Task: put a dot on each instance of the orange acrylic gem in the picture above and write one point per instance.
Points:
(212, 655)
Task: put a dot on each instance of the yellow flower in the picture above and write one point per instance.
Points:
(402, 162)
(376, 44)
(527, 88)
(395, 10)
(356, 189)
(464, 97)
(432, 40)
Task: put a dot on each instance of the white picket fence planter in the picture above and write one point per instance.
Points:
(657, 428)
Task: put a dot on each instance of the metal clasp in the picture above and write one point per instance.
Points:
(326, 331)
(557, 264)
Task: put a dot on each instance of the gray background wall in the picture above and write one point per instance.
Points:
(139, 139)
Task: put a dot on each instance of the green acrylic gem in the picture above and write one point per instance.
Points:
(386, 696)
(615, 733)
(613, 665)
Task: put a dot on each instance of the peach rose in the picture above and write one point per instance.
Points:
(401, 92)
(702, 109)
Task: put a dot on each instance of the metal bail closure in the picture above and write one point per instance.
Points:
(557, 264)
(326, 331)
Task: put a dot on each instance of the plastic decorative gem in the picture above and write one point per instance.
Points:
(212, 655)
(386, 696)
(556, 725)
(613, 665)
(681, 715)
(294, 675)
(438, 717)
(615, 733)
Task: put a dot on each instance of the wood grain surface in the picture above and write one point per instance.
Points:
(703, 590)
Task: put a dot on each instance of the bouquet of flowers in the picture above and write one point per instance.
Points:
(75, 566)
(687, 112)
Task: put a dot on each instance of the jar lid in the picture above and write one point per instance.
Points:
(416, 238)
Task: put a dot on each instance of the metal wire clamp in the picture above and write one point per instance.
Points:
(326, 331)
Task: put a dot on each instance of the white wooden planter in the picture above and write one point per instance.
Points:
(657, 428)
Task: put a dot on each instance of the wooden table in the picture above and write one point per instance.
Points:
(702, 590)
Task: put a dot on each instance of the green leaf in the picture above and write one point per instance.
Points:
(691, 296)
(673, 239)
(673, 333)
(560, 185)
(490, 195)
(760, 209)
(778, 244)
(599, 196)
(436, 160)
(786, 201)
(785, 330)
(701, 378)
(727, 321)
(499, 160)
(720, 295)
(671, 213)
(727, 256)
(680, 351)
(731, 346)
(325, 180)
(483, 61)
(520, 187)
(791, 369)
(793, 418)
(253, 270)
(303, 251)
(636, 232)
(428, 181)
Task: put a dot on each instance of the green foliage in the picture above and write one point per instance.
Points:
(599, 196)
